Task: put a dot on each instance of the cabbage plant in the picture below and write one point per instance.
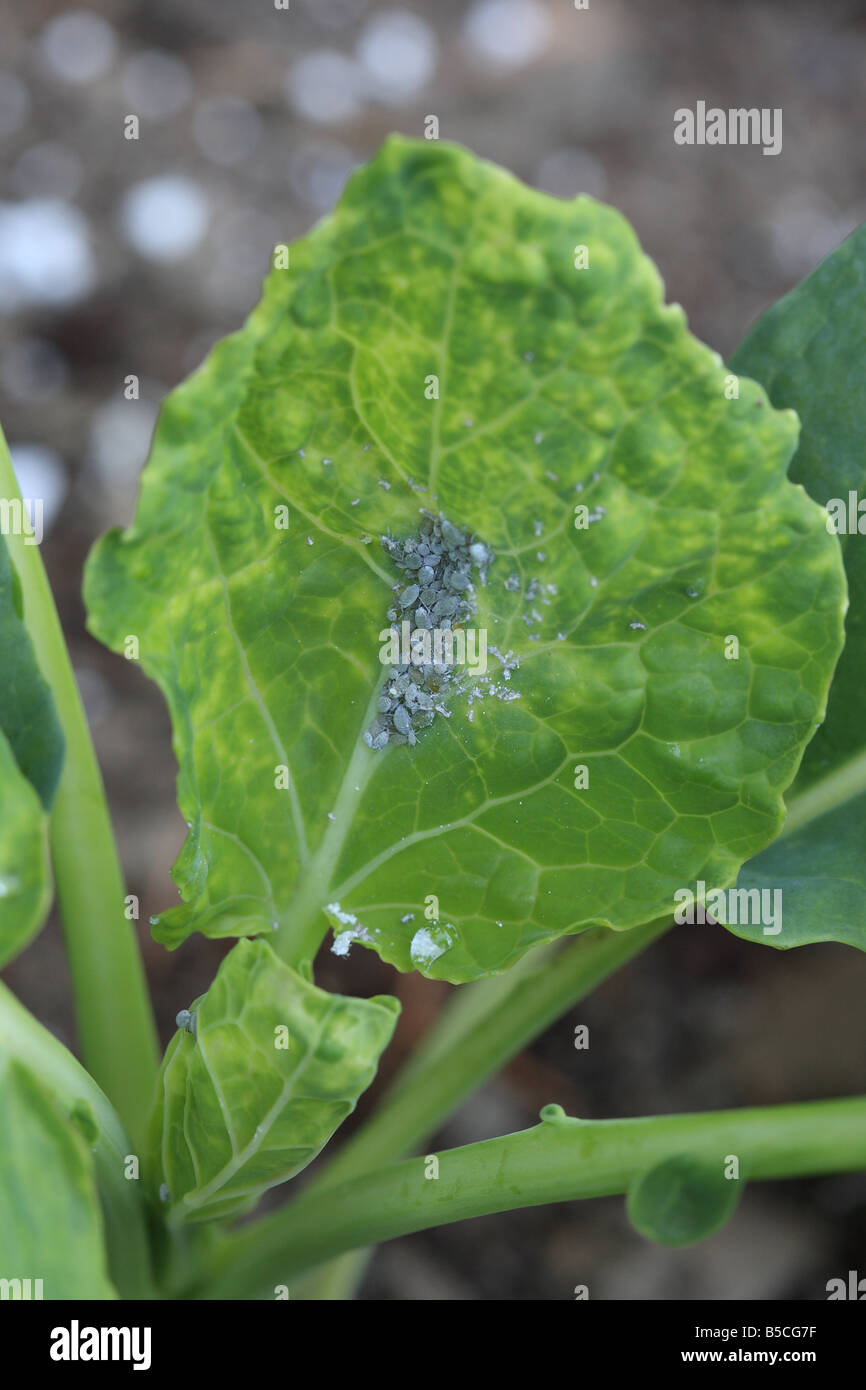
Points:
(501, 627)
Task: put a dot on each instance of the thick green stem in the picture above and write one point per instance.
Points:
(483, 1027)
(115, 1021)
(123, 1210)
(557, 1161)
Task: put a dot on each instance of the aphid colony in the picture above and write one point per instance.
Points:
(438, 563)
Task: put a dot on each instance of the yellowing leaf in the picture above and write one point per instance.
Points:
(667, 605)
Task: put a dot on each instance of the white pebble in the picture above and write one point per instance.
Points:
(325, 86)
(79, 46)
(398, 52)
(508, 33)
(44, 232)
(164, 218)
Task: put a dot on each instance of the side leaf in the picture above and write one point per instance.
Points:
(25, 870)
(248, 1099)
(809, 351)
(813, 883)
(31, 758)
(50, 1218)
(26, 1042)
(681, 1200)
(454, 341)
(27, 714)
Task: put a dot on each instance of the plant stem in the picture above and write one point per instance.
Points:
(827, 794)
(557, 1161)
(483, 1026)
(115, 1021)
(22, 1037)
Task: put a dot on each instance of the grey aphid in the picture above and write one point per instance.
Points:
(164, 1194)
(445, 608)
(439, 559)
(187, 1021)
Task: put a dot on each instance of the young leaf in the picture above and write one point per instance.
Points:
(682, 1200)
(271, 1068)
(25, 872)
(454, 341)
(47, 1190)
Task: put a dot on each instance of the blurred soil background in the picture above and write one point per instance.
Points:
(123, 257)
